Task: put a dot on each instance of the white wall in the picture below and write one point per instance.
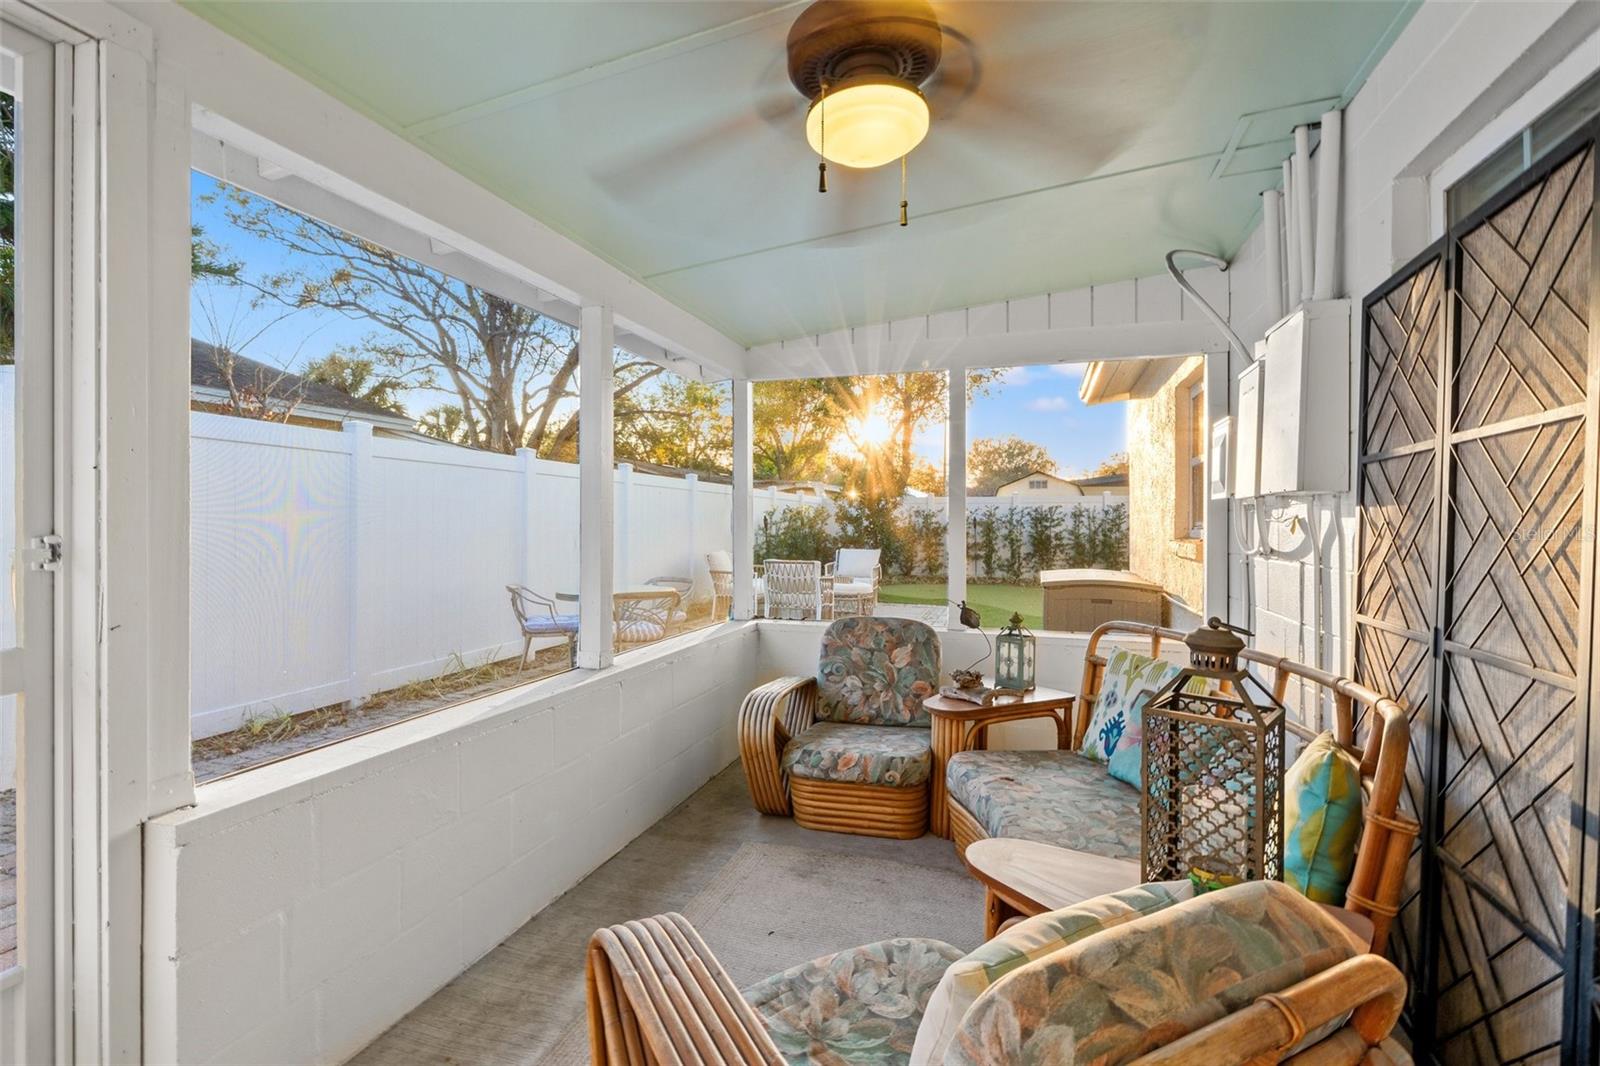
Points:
(1452, 71)
(8, 546)
(299, 910)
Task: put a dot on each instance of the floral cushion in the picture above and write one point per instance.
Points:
(861, 755)
(1031, 939)
(1054, 797)
(877, 671)
(858, 1006)
(1127, 991)
(1130, 680)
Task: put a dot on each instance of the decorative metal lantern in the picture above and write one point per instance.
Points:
(1213, 769)
(1013, 657)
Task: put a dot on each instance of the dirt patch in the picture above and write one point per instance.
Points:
(264, 740)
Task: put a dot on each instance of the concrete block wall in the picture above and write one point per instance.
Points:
(298, 911)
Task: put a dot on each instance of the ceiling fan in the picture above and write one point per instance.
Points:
(861, 64)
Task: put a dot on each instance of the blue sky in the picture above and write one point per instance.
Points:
(1038, 403)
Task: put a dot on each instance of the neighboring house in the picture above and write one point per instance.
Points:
(1044, 483)
(1039, 483)
(1166, 470)
(285, 396)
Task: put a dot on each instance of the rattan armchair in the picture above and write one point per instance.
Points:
(849, 750)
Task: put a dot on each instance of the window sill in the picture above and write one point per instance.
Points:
(1191, 548)
(252, 792)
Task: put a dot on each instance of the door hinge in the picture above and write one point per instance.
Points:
(43, 553)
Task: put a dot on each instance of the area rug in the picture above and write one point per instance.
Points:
(772, 907)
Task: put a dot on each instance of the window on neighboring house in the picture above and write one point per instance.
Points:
(1038, 483)
(1195, 458)
(383, 477)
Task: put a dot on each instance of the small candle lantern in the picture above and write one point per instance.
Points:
(1013, 657)
(1213, 770)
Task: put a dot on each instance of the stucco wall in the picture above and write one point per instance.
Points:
(1158, 490)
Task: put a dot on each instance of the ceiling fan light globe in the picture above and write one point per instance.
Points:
(868, 123)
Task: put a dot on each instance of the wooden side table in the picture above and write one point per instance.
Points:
(959, 726)
(1022, 878)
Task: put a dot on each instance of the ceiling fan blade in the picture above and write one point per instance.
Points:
(626, 174)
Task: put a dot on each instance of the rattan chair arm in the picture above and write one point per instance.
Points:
(656, 994)
(768, 718)
(1367, 987)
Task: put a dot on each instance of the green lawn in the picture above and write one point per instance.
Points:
(994, 602)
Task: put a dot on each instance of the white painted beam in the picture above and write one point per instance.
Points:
(955, 491)
(743, 487)
(809, 358)
(1124, 319)
(596, 493)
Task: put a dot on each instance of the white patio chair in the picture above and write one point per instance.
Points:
(643, 617)
(855, 576)
(720, 566)
(537, 618)
(795, 588)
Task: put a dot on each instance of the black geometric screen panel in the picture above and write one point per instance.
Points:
(1474, 607)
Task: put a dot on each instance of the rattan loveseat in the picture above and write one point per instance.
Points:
(1065, 799)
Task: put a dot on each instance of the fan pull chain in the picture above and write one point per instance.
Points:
(822, 141)
(903, 218)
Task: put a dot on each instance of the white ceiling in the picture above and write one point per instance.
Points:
(666, 137)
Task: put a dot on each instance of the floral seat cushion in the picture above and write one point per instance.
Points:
(877, 671)
(1139, 986)
(1054, 797)
(861, 755)
(861, 1006)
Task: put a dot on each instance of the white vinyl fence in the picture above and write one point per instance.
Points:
(326, 566)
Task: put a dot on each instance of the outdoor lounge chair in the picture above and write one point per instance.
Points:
(537, 618)
(1281, 981)
(849, 750)
(854, 576)
(644, 617)
(720, 565)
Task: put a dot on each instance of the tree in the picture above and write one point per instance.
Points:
(795, 424)
(511, 371)
(881, 416)
(359, 378)
(1115, 463)
(676, 422)
(996, 461)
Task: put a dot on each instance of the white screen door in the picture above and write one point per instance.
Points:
(28, 235)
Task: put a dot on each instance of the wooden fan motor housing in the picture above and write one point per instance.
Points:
(838, 40)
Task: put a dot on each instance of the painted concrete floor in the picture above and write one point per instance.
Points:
(516, 1003)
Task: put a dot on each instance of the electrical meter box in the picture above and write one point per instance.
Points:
(1247, 429)
(1295, 402)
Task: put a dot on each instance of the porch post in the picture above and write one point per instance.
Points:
(743, 488)
(596, 488)
(955, 491)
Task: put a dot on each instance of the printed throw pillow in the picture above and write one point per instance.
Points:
(1321, 820)
(1130, 680)
(1034, 938)
(1127, 761)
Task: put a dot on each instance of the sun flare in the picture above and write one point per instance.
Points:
(872, 428)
